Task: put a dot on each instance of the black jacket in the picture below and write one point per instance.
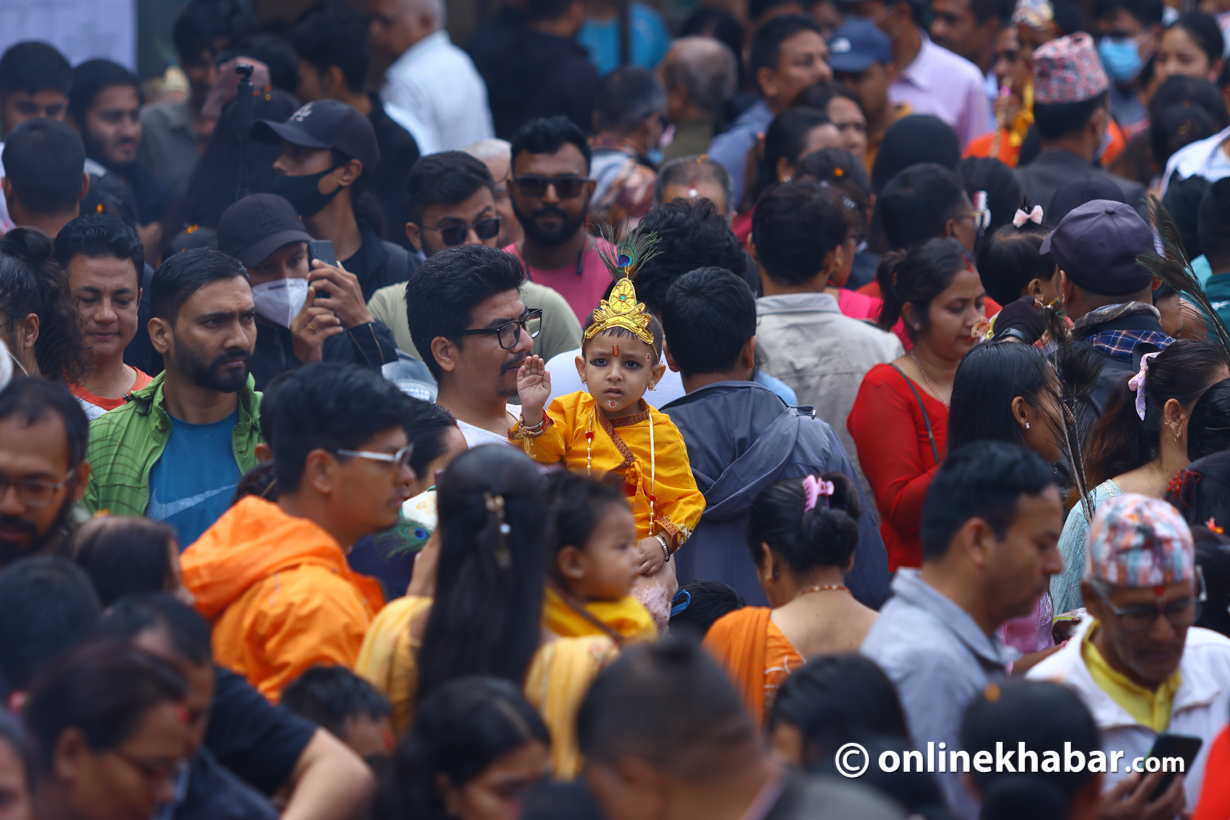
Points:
(1055, 168)
(378, 263)
(530, 74)
(370, 345)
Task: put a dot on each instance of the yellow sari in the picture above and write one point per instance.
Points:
(624, 621)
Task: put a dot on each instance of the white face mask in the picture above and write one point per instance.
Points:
(280, 301)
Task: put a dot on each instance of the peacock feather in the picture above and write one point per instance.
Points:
(628, 253)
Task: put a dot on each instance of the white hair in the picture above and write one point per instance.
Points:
(489, 149)
(435, 8)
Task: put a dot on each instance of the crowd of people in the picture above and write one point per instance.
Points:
(610, 419)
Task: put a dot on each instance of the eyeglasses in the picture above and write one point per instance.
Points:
(453, 235)
(568, 186)
(400, 460)
(508, 333)
(33, 493)
(1137, 618)
(155, 772)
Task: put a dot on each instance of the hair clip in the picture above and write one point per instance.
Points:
(1137, 384)
(1034, 216)
(1212, 525)
(813, 488)
(495, 504)
(838, 172)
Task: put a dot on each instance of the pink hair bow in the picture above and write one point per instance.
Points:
(813, 488)
(1034, 216)
(1137, 383)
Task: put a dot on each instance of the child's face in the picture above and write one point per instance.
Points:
(617, 370)
(371, 739)
(1172, 315)
(604, 569)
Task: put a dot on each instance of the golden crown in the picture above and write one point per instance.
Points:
(621, 310)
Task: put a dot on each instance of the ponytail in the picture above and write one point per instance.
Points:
(32, 282)
(916, 277)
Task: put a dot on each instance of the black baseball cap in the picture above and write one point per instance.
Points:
(325, 124)
(1096, 246)
(258, 225)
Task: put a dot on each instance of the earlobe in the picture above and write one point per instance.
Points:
(413, 233)
(443, 350)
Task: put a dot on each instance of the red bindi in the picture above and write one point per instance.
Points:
(1159, 590)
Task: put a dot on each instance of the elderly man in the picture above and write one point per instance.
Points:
(1139, 665)
(496, 154)
(699, 74)
(428, 75)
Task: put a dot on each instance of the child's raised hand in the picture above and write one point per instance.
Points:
(650, 555)
(534, 388)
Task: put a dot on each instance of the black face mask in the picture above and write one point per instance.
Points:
(303, 192)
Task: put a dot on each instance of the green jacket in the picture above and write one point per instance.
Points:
(125, 444)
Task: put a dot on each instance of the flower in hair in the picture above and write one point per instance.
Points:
(1034, 216)
(1137, 384)
(813, 488)
(1212, 525)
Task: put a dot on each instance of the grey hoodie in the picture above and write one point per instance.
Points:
(741, 438)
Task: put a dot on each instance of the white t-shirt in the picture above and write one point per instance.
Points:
(476, 436)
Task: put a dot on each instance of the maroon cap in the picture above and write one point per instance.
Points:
(1096, 246)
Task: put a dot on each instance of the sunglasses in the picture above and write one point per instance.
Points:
(535, 186)
(453, 235)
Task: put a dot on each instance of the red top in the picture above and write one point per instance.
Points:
(1214, 803)
(887, 426)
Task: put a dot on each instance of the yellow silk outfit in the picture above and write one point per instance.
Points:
(661, 480)
(558, 678)
(624, 621)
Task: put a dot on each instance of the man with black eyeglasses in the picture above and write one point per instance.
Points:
(1140, 665)
(43, 471)
(551, 192)
(473, 330)
(451, 198)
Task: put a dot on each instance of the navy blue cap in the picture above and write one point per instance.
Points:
(325, 124)
(856, 44)
(1096, 246)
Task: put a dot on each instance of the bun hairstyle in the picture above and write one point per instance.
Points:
(916, 277)
(1122, 440)
(1008, 260)
(824, 536)
(1208, 430)
(32, 282)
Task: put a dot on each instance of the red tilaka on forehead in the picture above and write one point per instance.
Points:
(1159, 590)
(614, 350)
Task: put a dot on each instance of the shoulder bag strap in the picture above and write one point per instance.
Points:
(926, 419)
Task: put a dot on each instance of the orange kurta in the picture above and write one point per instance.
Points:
(279, 595)
(756, 655)
(623, 446)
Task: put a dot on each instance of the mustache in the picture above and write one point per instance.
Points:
(234, 355)
(549, 210)
(20, 524)
(515, 364)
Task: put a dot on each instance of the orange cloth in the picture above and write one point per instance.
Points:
(1214, 803)
(755, 654)
(278, 594)
(1009, 154)
(109, 404)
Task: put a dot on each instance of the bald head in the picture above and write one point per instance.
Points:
(398, 24)
(699, 74)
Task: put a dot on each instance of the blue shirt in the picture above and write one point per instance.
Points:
(730, 148)
(651, 39)
(191, 485)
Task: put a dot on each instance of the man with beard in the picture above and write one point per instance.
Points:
(550, 196)
(176, 450)
(104, 106)
(43, 433)
(329, 152)
(452, 202)
(473, 332)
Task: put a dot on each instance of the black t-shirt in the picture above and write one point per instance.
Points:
(216, 794)
(257, 741)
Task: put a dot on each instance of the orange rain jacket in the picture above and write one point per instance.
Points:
(278, 594)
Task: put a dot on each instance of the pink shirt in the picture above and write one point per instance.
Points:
(582, 293)
(947, 86)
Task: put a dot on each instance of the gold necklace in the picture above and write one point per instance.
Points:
(927, 378)
(821, 588)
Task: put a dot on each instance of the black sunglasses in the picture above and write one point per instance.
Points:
(535, 185)
(453, 235)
